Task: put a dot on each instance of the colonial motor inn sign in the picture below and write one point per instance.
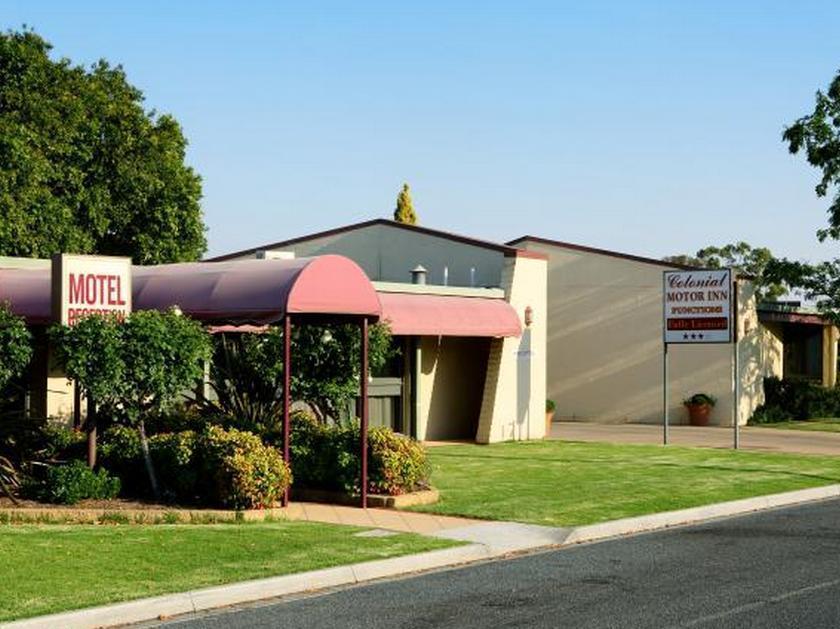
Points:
(85, 285)
(698, 306)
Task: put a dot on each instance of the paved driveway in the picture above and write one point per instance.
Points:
(752, 437)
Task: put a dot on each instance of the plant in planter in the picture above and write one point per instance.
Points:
(699, 408)
(550, 407)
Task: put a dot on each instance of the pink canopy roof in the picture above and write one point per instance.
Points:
(259, 292)
(446, 315)
(242, 292)
(28, 294)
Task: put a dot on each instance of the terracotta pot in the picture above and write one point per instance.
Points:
(698, 414)
(549, 415)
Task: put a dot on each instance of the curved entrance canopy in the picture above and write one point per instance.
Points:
(243, 292)
(258, 291)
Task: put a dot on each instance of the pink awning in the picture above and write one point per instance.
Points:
(242, 292)
(257, 291)
(27, 293)
(446, 315)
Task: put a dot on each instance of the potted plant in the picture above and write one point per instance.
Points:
(550, 406)
(699, 408)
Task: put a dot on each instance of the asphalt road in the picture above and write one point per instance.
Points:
(775, 569)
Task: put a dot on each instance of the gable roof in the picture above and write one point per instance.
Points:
(507, 250)
(604, 252)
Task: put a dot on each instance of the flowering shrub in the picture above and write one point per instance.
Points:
(237, 470)
(231, 468)
(397, 463)
(327, 457)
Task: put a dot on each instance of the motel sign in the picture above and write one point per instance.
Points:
(86, 285)
(698, 306)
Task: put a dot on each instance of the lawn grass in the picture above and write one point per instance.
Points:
(828, 424)
(563, 483)
(55, 568)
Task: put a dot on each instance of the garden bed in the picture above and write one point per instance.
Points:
(126, 512)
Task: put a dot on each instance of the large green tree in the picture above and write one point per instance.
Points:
(752, 261)
(84, 167)
(818, 136)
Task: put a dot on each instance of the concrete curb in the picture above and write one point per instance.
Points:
(667, 519)
(490, 540)
(249, 591)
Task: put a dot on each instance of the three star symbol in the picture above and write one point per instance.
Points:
(692, 336)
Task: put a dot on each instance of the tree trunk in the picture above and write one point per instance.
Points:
(147, 458)
(90, 428)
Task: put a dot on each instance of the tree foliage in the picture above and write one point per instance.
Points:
(247, 374)
(752, 261)
(818, 134)
(92, 355)
(84, 168)
(326, 364)
(404, 213)
(134, 368)
(15, 345)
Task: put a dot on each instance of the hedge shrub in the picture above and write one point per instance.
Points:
(796, 399)
(216, 467)
(68, 484)
(326, 457)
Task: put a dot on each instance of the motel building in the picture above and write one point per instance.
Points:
(486, 331)
(468, 316)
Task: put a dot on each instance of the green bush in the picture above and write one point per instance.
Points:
(769, 415)
(119, 452)
(173, 457)
(68, 484)
(397, 464)
(237, 470)
(216, 467)
(326, 457)
(798, 399)
(179, 418)
(61, 442)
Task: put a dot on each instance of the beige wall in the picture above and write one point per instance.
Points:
(513, 404)
(605, 352)
(389, 254)
(450, 385)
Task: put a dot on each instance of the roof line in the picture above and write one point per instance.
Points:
(605, 252)
(507, 250)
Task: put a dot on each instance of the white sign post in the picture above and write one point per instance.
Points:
(699, 307)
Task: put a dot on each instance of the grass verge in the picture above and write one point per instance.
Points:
(563, 483)
(57, 568)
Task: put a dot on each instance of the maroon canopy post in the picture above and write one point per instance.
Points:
(363, 428)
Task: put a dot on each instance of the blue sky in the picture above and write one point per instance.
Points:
(651, 128)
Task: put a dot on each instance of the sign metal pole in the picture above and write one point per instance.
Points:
(736, 372)
(665, 394)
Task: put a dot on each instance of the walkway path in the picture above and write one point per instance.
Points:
(752, 437)
(389, 519)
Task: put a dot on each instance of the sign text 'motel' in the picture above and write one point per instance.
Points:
(698, 306)
(86, 285)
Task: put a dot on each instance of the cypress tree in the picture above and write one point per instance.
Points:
(405, 208)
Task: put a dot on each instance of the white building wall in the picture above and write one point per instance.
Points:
(605, 351)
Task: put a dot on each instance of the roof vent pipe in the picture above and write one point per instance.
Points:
(418, 275)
